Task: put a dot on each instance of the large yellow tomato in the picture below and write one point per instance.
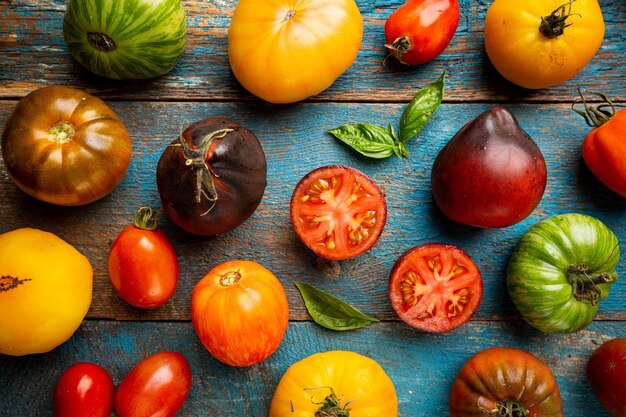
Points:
(45, 291)
(542, 43)
(287, 50)
(330, 381)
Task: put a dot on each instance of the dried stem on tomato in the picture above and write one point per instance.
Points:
(553, 25)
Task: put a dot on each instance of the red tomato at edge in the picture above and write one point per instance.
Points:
(419, 30)
(143, 267)
(606, 371)
(156, 387)
(84, 390)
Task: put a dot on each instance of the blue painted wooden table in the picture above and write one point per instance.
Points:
(421, 365)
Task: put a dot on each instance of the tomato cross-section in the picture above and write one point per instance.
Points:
(338, 212)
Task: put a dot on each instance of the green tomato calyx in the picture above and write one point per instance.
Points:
(330, 405)
(146, 218)
(61, 133)
(398, 48)
(553, 25)
(585, 283)
(7, 282)
(595, 116)
(508, 408)
(101, 41)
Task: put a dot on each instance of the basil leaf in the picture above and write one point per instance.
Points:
(423, 105)
(370, 140)
(329, 311)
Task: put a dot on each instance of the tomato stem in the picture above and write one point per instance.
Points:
(553, 25)
(61, 133)
(229, 278)
(101, 41)
(508, 408)
(7, 282)
(585, 283)
(399, 47)
(146, 218)
(595, 116)
(330, 405)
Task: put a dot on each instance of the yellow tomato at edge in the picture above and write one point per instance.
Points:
(287, 50)
(45, 291)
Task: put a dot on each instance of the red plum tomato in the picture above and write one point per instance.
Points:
(606, 372)
(435, 287)
(157, 386)
(490, 174)
(143, 267)
(338, 212)
(240, 312)
(419, 30)
(212, 177)
(84, 390)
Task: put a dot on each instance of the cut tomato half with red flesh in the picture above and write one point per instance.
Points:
(338, 212)
(435, 287)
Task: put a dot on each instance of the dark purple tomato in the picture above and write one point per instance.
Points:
(212, 178)
(491, 173)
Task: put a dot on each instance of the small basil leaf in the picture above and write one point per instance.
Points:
(329, 311)
(370, 140)
(423, 105)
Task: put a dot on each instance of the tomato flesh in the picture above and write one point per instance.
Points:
(338, 212)
(435, 287)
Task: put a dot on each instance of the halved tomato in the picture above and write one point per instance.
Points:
(435, 287)
(338, 212)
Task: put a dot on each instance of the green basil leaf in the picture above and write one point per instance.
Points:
(423, 105)
(329, 311)
(370, 140)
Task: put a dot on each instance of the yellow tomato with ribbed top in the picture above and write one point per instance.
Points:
(45, 291)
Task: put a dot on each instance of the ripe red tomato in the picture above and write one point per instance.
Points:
(419, 30)
(84, 390)
(491, 173)
(604, 148)
(142, 263)
(338, 212)
(606, 372)
(435, 287)
(240, 312)
(156, 386)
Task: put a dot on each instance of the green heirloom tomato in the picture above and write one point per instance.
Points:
(126, 39)
(560, 270)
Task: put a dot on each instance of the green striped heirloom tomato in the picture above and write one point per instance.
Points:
(560, 270)
(126, 39)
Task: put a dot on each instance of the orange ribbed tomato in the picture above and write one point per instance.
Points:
(240, 312)
(287, 50)
(542, 43)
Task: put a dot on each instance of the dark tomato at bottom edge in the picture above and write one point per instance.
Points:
(435, 287)
(84, 390)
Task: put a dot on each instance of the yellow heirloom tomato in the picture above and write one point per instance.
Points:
(287, 50)
(45, 291)
(331, 383)
(542, 43)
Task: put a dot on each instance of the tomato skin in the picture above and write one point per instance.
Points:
(446, 275)
(604, 150)
(560, 270)
(285, 51)
(240, 312)
(336, 198)
(84, 390)
(64, 146)
(524, 56)
(606, 372)
(419, 30)
(503, 374)
(143, 267)
(45, 291)
(156, 387)
(353, 377)
(491, 173)
(233, 162)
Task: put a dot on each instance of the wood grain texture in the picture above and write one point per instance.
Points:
(31, 39)
(421, 366)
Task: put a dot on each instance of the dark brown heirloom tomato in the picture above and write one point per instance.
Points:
(490, 174)
(505, 382)
(212, 178)
(64, 146)
(338, 212)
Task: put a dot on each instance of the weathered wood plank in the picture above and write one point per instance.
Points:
(295, 143)
(31, 39)
(422, 367)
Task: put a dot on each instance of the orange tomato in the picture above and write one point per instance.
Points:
(240, 312)
(287, 50)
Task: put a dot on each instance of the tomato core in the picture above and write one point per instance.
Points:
(509, 408)
(101, 41)
(553, 25)
(330, 406)
(290, 15)
(61, 133)
(8, 282)
(229, 278)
